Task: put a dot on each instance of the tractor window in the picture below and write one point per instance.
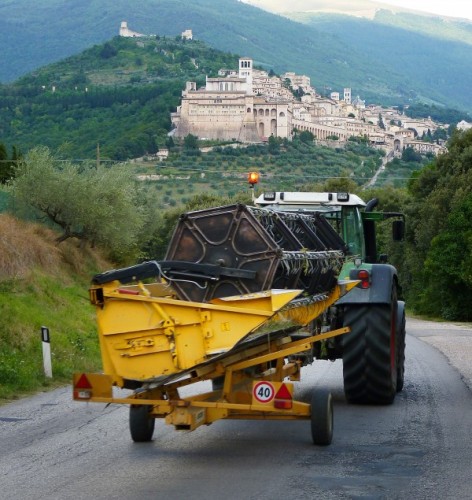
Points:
(333, 216)
(352, 231)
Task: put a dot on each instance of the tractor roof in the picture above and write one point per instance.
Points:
(308, 200)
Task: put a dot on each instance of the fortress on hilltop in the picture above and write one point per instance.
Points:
(126, 32)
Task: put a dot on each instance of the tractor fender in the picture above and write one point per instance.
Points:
(383, 278)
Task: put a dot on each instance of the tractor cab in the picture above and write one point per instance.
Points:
(351, 217)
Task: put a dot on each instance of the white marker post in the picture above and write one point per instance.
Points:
(46, 351)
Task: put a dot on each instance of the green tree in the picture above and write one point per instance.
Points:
(381, 122)
(334, 185)
(3, 163)
(7, 165)
(438, 228)
(108, 51)
(440, 134)
(95, 204)
(191, 145)
(409, 154)
(306, 136)
(274, 145)
(448, 267)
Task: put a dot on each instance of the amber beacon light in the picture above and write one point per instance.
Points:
(253, 178)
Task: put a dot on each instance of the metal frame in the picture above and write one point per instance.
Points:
(234, 401)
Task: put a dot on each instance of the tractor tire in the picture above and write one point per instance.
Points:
(401, 340)
(141, 425)
(322, 417)
(369, 353)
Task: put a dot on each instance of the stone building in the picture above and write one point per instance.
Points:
(187, 35)
(227, 109)
(249, 106)
(127, 33)
(463, 125)
(299, 82)
(421, 126)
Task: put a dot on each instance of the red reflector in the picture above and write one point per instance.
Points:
(283, 393)
(83, 383)
(283, 398)
(283, 404)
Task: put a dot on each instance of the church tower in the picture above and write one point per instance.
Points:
(245, 71)
(347, 95)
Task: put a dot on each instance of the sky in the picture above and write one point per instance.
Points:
(451, 8)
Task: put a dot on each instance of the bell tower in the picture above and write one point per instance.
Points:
(245, 71)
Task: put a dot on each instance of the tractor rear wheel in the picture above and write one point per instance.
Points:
(370, 354)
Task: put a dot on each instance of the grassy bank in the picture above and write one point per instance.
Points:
(43, 284)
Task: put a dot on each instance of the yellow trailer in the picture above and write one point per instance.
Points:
(154, 343)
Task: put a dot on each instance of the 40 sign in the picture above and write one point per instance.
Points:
(263, 392)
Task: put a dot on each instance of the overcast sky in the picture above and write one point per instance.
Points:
(452, 8)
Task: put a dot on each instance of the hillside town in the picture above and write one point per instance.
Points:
(248, 105)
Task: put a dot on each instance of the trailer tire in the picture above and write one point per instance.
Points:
(401, 340)
(322, 417)
(369, 353)
(141, 425)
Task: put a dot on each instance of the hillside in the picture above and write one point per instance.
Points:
(424, 62)
(32, 35)
(118, 94)
(450, 28)
(42, 284)
(114, 100)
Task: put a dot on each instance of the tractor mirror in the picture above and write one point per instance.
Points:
(398, 230)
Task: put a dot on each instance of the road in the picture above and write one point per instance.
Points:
(417, 448)
(388, 157)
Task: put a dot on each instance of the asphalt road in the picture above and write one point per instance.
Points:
(417, 448)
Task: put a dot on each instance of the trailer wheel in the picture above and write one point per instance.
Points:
(141, 425)
(401, 334)
(322, 417)
(370, 354)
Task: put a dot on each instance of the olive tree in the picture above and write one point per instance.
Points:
(96, 204)
(7, 165)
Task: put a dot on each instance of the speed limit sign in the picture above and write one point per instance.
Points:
(263, 392)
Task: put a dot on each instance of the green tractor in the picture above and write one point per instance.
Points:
(373, 353)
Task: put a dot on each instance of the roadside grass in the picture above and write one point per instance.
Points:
(43, 284)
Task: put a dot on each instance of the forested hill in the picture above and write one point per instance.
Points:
(118, 94)
(425, 62)
(409, 66)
